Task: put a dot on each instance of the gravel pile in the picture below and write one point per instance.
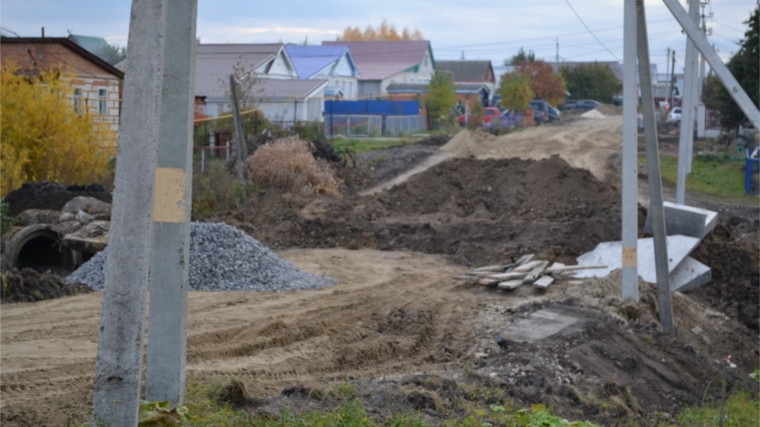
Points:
(222, 258)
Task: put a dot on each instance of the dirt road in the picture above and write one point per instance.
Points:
(394, 313)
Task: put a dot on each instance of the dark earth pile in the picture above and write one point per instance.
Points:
(50, 196)
(29, 285)
(472, 211)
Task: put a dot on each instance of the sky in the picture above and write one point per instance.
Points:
(456, 29)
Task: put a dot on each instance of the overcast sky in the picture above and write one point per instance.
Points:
(481, 30)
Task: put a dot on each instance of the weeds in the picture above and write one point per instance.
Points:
(217, 191)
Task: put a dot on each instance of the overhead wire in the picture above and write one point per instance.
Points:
(589, 30)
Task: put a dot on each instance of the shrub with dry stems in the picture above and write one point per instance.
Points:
(289, 165)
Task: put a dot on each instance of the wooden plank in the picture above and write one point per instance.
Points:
(490, 268)
(522, 260)
(507, 276)
(528, 266)
(556, 265)
(537, 270)
(510, 284)
(544, 282)
(575, 267)
(488, 282)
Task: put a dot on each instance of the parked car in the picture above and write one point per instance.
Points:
(674, 116)
(582, 104)
(617, 100)
(541, 109)
(489, 113)
(554, 114)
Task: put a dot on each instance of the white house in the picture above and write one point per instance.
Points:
(332, 63)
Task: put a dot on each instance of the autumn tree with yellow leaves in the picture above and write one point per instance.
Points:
(384, 32)
(43, 136)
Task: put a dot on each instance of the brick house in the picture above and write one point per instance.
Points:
(96, 83)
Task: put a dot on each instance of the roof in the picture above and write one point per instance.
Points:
(467, 71)
(310, 60)
(462, 88)
(215, 62)
(378, 60)
(277, 88)
(70, 45)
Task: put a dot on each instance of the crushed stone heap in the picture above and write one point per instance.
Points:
(222, 258)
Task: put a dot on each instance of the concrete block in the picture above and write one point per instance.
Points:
(685, 220)
(691, 274)
(610, 254)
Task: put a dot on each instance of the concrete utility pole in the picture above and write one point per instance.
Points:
(170, 254)
(664, 297)
(688, 111)
(672, 79)
(241, 149)
(119, 364)
(630, 154)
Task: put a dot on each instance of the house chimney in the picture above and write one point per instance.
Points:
(43, 32)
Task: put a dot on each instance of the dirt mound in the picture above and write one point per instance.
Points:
(50, 196)
(30, 285)
(473, 212)
(503, 189)
(610, 110)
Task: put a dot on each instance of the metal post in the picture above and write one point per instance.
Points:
(239, 136)
(729, 82)
(227, 152)
(116, 390)
(630, 156)
(170, 252)
(688, 106)
(665, 304)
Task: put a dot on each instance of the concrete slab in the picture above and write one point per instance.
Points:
(610, 254)
(540, 325)
(691, 274)
(685, 220)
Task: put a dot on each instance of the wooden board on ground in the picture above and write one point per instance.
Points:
(544, 282)
(510, 284)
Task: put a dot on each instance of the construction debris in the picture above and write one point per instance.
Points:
(525, 271)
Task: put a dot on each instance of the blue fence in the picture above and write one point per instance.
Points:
(372, 107)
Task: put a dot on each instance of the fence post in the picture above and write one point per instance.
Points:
(203, 160)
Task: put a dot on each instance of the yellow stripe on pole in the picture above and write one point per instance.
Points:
(629, 256)
(169, 203)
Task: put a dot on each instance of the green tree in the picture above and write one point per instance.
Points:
(440, 98)
(520, 57)
(515, 91)
(591, 81)
(545, 83)
(745, 67)
(43, 135)
(113, 54)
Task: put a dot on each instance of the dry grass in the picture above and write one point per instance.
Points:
(288, 164)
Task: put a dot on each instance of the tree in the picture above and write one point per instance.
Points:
(520, 57)
(112, 54)
(591, 81)
(384, 31)
(745, 67)
(515, 91)
(440, 98)
(43, 136)
(544, 81)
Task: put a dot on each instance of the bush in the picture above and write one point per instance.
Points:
(217, 191)
(505, 124)
(288, 164)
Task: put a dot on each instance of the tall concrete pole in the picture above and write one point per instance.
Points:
(688, 111)
(630, 155)
(119, 364)
(664, 298)
(729, 82)
(170, 255)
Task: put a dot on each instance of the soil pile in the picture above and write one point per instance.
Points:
(473, 212)
(50, 196)
(29, 285)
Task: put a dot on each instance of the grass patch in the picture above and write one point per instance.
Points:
(718, 175)
(217, 190)
(741, 410)
(364, 145)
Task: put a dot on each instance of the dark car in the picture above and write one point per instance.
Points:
(583, 104)
(554, 114)
(541, 109)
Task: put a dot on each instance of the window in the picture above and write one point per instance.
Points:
(102, 102)
(78, 101)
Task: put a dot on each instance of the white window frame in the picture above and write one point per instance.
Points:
(103, 101)
(78, 101)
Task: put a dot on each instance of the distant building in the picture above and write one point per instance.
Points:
(471, 78)
(332, 63)
(96, 83)
(383, 63)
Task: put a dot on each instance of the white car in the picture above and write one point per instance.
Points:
(674, 116)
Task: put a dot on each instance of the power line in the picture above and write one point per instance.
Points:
(589, 30)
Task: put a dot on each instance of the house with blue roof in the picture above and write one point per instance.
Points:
(332, 63)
